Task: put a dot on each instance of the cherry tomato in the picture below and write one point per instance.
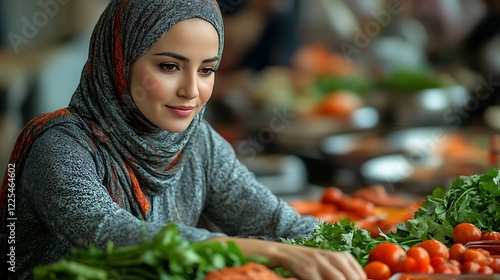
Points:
(490, 235)
(476, 256)
(470, 267)
(485, 252)
(456, 263)
(389, 253)
(465, 232)
(377, 270)
(408, 265)
(456, 252)
(447, 268)
(420, 255)
(485, 270)
(435, 248)
(437, 261)
(495, 265)
(429, 269)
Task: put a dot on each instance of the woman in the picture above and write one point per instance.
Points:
(132, 146)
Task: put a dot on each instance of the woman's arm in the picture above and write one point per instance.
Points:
(304, 262)
(238, 203)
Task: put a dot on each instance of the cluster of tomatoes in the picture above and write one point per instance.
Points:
(432, 256)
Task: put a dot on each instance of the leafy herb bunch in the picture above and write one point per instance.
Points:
(166, 256)
(474, 199)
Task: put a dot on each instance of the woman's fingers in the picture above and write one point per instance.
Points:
(316, 264)
(356, 266)
(346, 264)
(306, 268)
(331, 270)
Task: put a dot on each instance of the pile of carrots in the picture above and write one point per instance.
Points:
(371, 208)
(248, 271)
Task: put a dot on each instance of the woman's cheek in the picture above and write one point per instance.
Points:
(206, 91)
(145, 86)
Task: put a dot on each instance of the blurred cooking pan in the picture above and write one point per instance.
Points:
(351, 149)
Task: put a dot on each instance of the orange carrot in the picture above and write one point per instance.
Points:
(249, 271)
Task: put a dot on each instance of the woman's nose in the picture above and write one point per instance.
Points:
(188, 88)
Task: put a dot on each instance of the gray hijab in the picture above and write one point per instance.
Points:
(133, 149)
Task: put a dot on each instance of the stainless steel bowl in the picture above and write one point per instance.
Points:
(428, 157)
(433, 106)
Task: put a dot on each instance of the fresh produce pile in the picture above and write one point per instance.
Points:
(436, 240)
(449, 219)
(432, 256)
(167, 256)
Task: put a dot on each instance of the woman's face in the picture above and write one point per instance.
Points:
(174, 79)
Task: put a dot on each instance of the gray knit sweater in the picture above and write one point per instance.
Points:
(62, 201)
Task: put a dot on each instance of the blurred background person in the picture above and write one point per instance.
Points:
(463, 39)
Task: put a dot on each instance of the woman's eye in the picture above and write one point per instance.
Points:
(168, 67)
(207, 71)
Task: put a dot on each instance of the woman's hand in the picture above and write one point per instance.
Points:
(304, 262)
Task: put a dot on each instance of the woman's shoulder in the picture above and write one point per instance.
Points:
(72, 129)
(208, 137)
(61, 137)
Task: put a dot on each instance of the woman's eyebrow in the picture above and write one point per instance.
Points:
(183, 58)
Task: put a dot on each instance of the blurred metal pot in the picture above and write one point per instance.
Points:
(417, 108)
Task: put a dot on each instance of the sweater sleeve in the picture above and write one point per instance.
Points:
(61, 181)
(240, 205)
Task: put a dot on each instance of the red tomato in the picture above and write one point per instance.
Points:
(456, 252)
(470, 267)
(435, 248)
(447, 268)
(485, 252)
(408, 265)
(490, 235)
(437, 261)
(465, 232)
(377, 270)
(485, 270)
(474, 255)
(421, 257)
(456, 263)
(495, 265)
(389, 253)
(429, 269)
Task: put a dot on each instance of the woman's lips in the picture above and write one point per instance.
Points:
(181, 111)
